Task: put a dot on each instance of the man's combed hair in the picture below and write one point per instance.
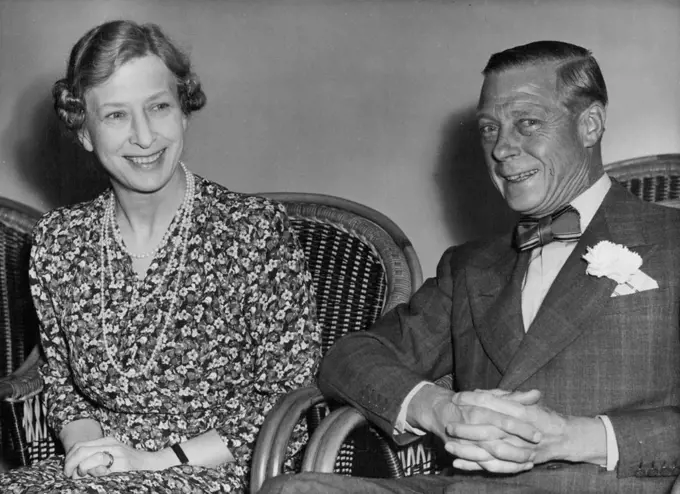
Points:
(103, 50)
(579, 79)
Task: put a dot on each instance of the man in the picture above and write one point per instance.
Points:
(581, 303)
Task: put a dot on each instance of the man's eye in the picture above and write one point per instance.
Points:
(487, 129)
(161, 106)
(529, 122)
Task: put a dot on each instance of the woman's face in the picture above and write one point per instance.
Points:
(135, 125)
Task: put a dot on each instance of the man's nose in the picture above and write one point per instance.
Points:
(506, 146)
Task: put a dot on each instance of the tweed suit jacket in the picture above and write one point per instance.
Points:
(588, 353)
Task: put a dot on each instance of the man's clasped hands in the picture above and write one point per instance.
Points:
(493, 430)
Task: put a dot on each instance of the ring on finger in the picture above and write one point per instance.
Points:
(109, 464)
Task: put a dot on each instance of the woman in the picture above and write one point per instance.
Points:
(174, 313)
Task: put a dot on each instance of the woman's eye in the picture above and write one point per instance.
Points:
(116, 115)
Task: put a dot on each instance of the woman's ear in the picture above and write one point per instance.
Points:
(85, 139)
(592, 124)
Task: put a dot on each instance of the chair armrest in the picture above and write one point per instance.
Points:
(25, 382)
(276, 431)
(324, 445)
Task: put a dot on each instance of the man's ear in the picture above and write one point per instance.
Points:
(85, 139)
(591, 124)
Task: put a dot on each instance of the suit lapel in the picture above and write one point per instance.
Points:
(574, 298)
(494, 286)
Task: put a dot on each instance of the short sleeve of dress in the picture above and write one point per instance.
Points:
(64, 403)
(280, 315)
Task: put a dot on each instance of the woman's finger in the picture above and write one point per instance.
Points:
(85, 464)
(99, 471)
(72, 461)
(86, 459)
(81, 450)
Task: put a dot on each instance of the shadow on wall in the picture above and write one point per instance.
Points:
(473, 208)
(47, 157)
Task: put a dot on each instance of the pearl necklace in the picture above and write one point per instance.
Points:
(152, 253)
(106, 257)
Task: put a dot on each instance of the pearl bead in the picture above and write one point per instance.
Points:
(175, 261)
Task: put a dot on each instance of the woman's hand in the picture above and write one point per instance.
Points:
(93, 458)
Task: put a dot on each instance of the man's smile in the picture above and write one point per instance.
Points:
(520, 177)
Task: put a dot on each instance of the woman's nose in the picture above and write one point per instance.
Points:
(142, 132)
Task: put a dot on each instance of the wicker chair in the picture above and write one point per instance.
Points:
(362, 265)
(19, 381)
(652, 178)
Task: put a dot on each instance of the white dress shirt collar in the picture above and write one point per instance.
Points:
(590, 200)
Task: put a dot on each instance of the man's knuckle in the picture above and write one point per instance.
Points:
(495, 448)
(507, 423)
(460, 398)
(485, 434)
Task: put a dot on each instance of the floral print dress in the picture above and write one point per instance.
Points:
(243, 333)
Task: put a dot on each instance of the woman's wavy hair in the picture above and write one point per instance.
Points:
(579, 79)
(104, 49)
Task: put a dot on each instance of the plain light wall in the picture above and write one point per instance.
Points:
(368, 100)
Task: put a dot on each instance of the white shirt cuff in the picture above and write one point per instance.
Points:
(612, 445)
(400, 425)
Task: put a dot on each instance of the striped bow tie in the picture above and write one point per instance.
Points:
(564, 224)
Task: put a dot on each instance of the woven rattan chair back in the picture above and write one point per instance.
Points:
(18, 321)
(654, 178)
(362, 265)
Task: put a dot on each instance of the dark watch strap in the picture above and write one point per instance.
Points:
(180, 454)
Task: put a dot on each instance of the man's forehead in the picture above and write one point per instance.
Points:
(532, 84)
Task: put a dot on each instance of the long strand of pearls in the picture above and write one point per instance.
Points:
(106, 258)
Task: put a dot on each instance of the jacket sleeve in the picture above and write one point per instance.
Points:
(375, 370)
(648, 440)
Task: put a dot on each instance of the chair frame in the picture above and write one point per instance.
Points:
(650, 169)
(347, 205)
(21, 218)
(23, 382)
(393, 247)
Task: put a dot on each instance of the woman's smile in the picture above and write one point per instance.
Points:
(146, 161)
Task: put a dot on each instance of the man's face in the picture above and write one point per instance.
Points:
(531, 141)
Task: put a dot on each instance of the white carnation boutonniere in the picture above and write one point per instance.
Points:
(620, 264)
